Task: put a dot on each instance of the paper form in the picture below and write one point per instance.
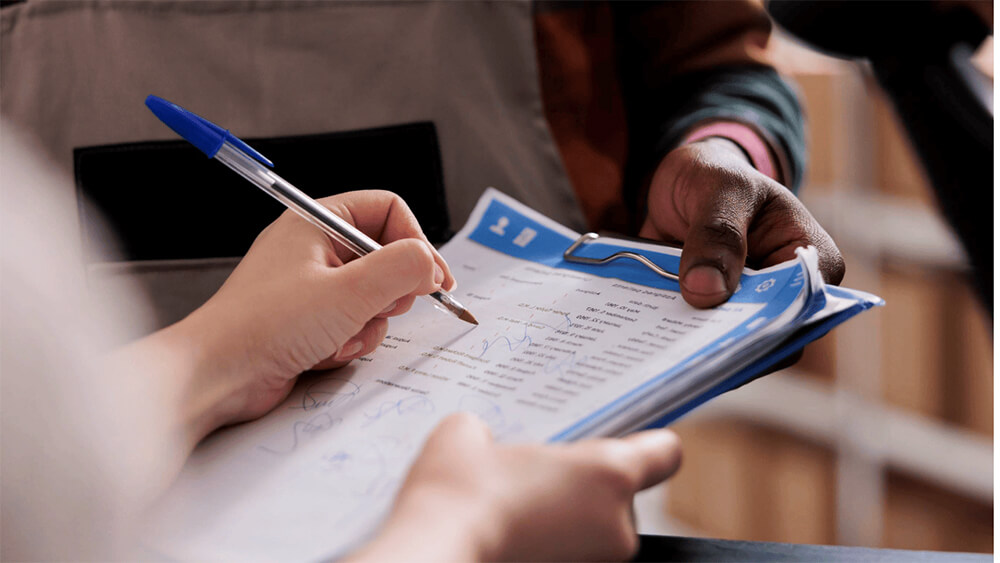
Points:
(560, 352)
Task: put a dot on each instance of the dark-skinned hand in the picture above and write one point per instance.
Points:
(727, 214)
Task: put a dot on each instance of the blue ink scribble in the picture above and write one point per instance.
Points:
(417, 404)
(327, 392)
(562, 364)
(511, 344)
(311, 427)
(490, 413)
(362, 465)
(370, 468)
(524, 339)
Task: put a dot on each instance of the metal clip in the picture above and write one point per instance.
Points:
(589, 237)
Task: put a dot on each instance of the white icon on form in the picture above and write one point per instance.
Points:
(526, 236)
(765, 285)
(502, 223)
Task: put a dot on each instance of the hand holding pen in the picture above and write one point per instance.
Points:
(296, 302)
(245, 161)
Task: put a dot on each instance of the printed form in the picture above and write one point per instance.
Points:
(561, 349)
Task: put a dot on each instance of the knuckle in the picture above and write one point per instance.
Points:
(724, 232)
(394, 199)
(834, 268)
(831, 261)
(392, 202)
(385, 195)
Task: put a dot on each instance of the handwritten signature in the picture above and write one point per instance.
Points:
(371, 468)
(302, 428)
(327, 392)
(416, 404)
(490, 413)
(564, 363)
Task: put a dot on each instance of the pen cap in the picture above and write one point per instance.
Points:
(200, 132)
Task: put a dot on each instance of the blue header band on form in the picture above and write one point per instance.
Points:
(506, 230)
(547, 246)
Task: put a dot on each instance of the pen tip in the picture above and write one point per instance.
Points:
(467, 317)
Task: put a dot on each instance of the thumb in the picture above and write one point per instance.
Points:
(715, 250)
(357, 291)
(459, 429)
(657, 456)
(457, 443)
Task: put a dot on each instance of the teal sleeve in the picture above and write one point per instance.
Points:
(754, 95)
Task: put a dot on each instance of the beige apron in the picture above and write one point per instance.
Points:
(76, 73)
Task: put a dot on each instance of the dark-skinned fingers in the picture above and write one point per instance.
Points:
(720, 198)
(649, 231)
(831, 261)
(785, 224)
(712, 260)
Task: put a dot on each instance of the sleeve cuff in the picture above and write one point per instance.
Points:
(755, 147)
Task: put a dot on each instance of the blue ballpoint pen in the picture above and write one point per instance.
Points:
(225, 147)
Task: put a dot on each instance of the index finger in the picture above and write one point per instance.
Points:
(386, 218)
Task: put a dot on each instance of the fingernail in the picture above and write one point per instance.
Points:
(705, 280)
(438, 274)
(389, 308)
(350, 349)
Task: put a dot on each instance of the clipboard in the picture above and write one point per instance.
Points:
(577, 320)
(762, 366)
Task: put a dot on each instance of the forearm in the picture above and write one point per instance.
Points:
(177, 367)
(714, 70)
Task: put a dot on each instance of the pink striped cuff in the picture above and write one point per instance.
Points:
(748, 139)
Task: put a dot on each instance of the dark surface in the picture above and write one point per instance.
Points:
(167, 200)
(670, 548)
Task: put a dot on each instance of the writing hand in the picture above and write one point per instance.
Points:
(296, 301)
(707, 195)
(467, 498)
